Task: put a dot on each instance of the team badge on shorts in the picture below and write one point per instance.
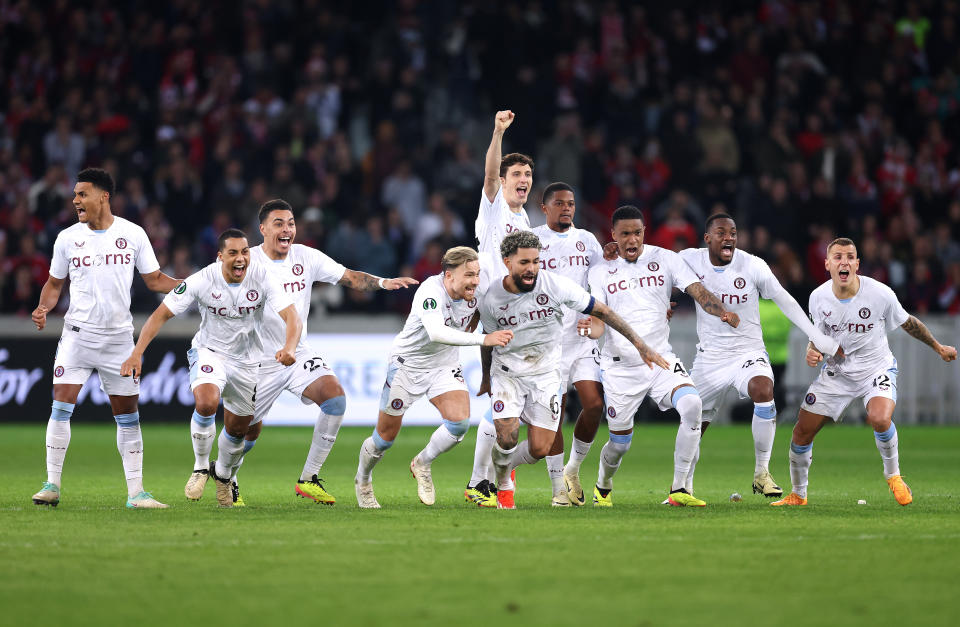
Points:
(581, 247)
(121, 243)
(396, 403)
(297, 269)
(811, 398)
(864, 313)
(542, 299)
(653, 266)
(253, 295)
(498, 406)
(611, 412)
(739, 283)
(58, 371)
(206, 368)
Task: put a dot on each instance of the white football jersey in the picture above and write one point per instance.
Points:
(495, 221)
(413, 343)
(739, 285)
(100, 265)
(569, 254)
(640, 293)
(231, 314)
(860, 324)
(536, 319)
(296, 274)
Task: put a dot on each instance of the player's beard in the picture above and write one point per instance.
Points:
(523, 287)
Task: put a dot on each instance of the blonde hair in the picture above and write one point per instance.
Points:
(457, 256)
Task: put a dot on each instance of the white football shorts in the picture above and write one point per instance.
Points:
(831, 392)
(625, 387)
(274, 378)
(237, 382)
(714, 374)
(405, 385)
(80, 352)
(535, 399)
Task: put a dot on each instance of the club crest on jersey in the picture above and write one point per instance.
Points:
(429, 303)
(253, 295)
(811, 398)
(864, 313)
(396, 403)
(581, 247)
(542, 299)
(297, 269)
(180, 289)
(611, 412)
(739, 283)
(121, 243)
(498, 406)
(58, 371)
(215, 296)
(653, 266)
(206, 368)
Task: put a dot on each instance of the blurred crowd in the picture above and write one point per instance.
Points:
(805, 120)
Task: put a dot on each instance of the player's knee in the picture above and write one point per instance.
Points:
(760, 389)
(879, 421)
(593, 406)
(127, 420)
(61, 411)
(457, 428)
(207, 406)
(253, 431)
(687, 402)
(335, 406)
(620, 443)
(540, 450)
(508, 441)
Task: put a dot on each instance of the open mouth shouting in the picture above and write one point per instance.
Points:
(726, 251)
(237, 269)
(81, 212)
(284, 242)
(843, 274)
(522, 190)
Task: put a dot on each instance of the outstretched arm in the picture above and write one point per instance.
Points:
(919, 330)
(49, 296)
(367, 282)
(609, 316)
(711, 304)
(134, 363)
(159, 282)
(491, 166)
(791, 309)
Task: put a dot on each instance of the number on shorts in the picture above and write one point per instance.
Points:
(750, 362)
(555, 405)
(596, 355)
(882, 382)
(458, 375)
(311, 364)
(678, 369)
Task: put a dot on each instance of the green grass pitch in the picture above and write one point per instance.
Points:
(284, 560)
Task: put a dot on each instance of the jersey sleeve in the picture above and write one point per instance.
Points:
(814, 310)
(324, 269)
(275, 296)
(184, 294)
(770, 288)
(572, 295)
(146, 258)
(594, 249)
(595, 283)
(488, 212)
(894, 313)
(59, 264)
(683, 275)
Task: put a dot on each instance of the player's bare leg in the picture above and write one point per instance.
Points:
(58, 440)
(454, 408)
(880, 417)
(328, 395)
(801, 455)
(203, 430)
(508, 454)
(584, 432)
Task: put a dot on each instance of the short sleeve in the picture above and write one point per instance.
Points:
(763, 277)
(428, 302)
(813, 309)
(275, 296)
(487, 214)
(146, 258)
(324, 269)
(683, 275)
(184, 294)
(595, 280)
(59, 264)
(571, 294)
(895, 314)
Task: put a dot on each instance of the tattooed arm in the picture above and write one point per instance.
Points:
(609, 316)
(364, 282)
(711, 304)
(917, 329)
